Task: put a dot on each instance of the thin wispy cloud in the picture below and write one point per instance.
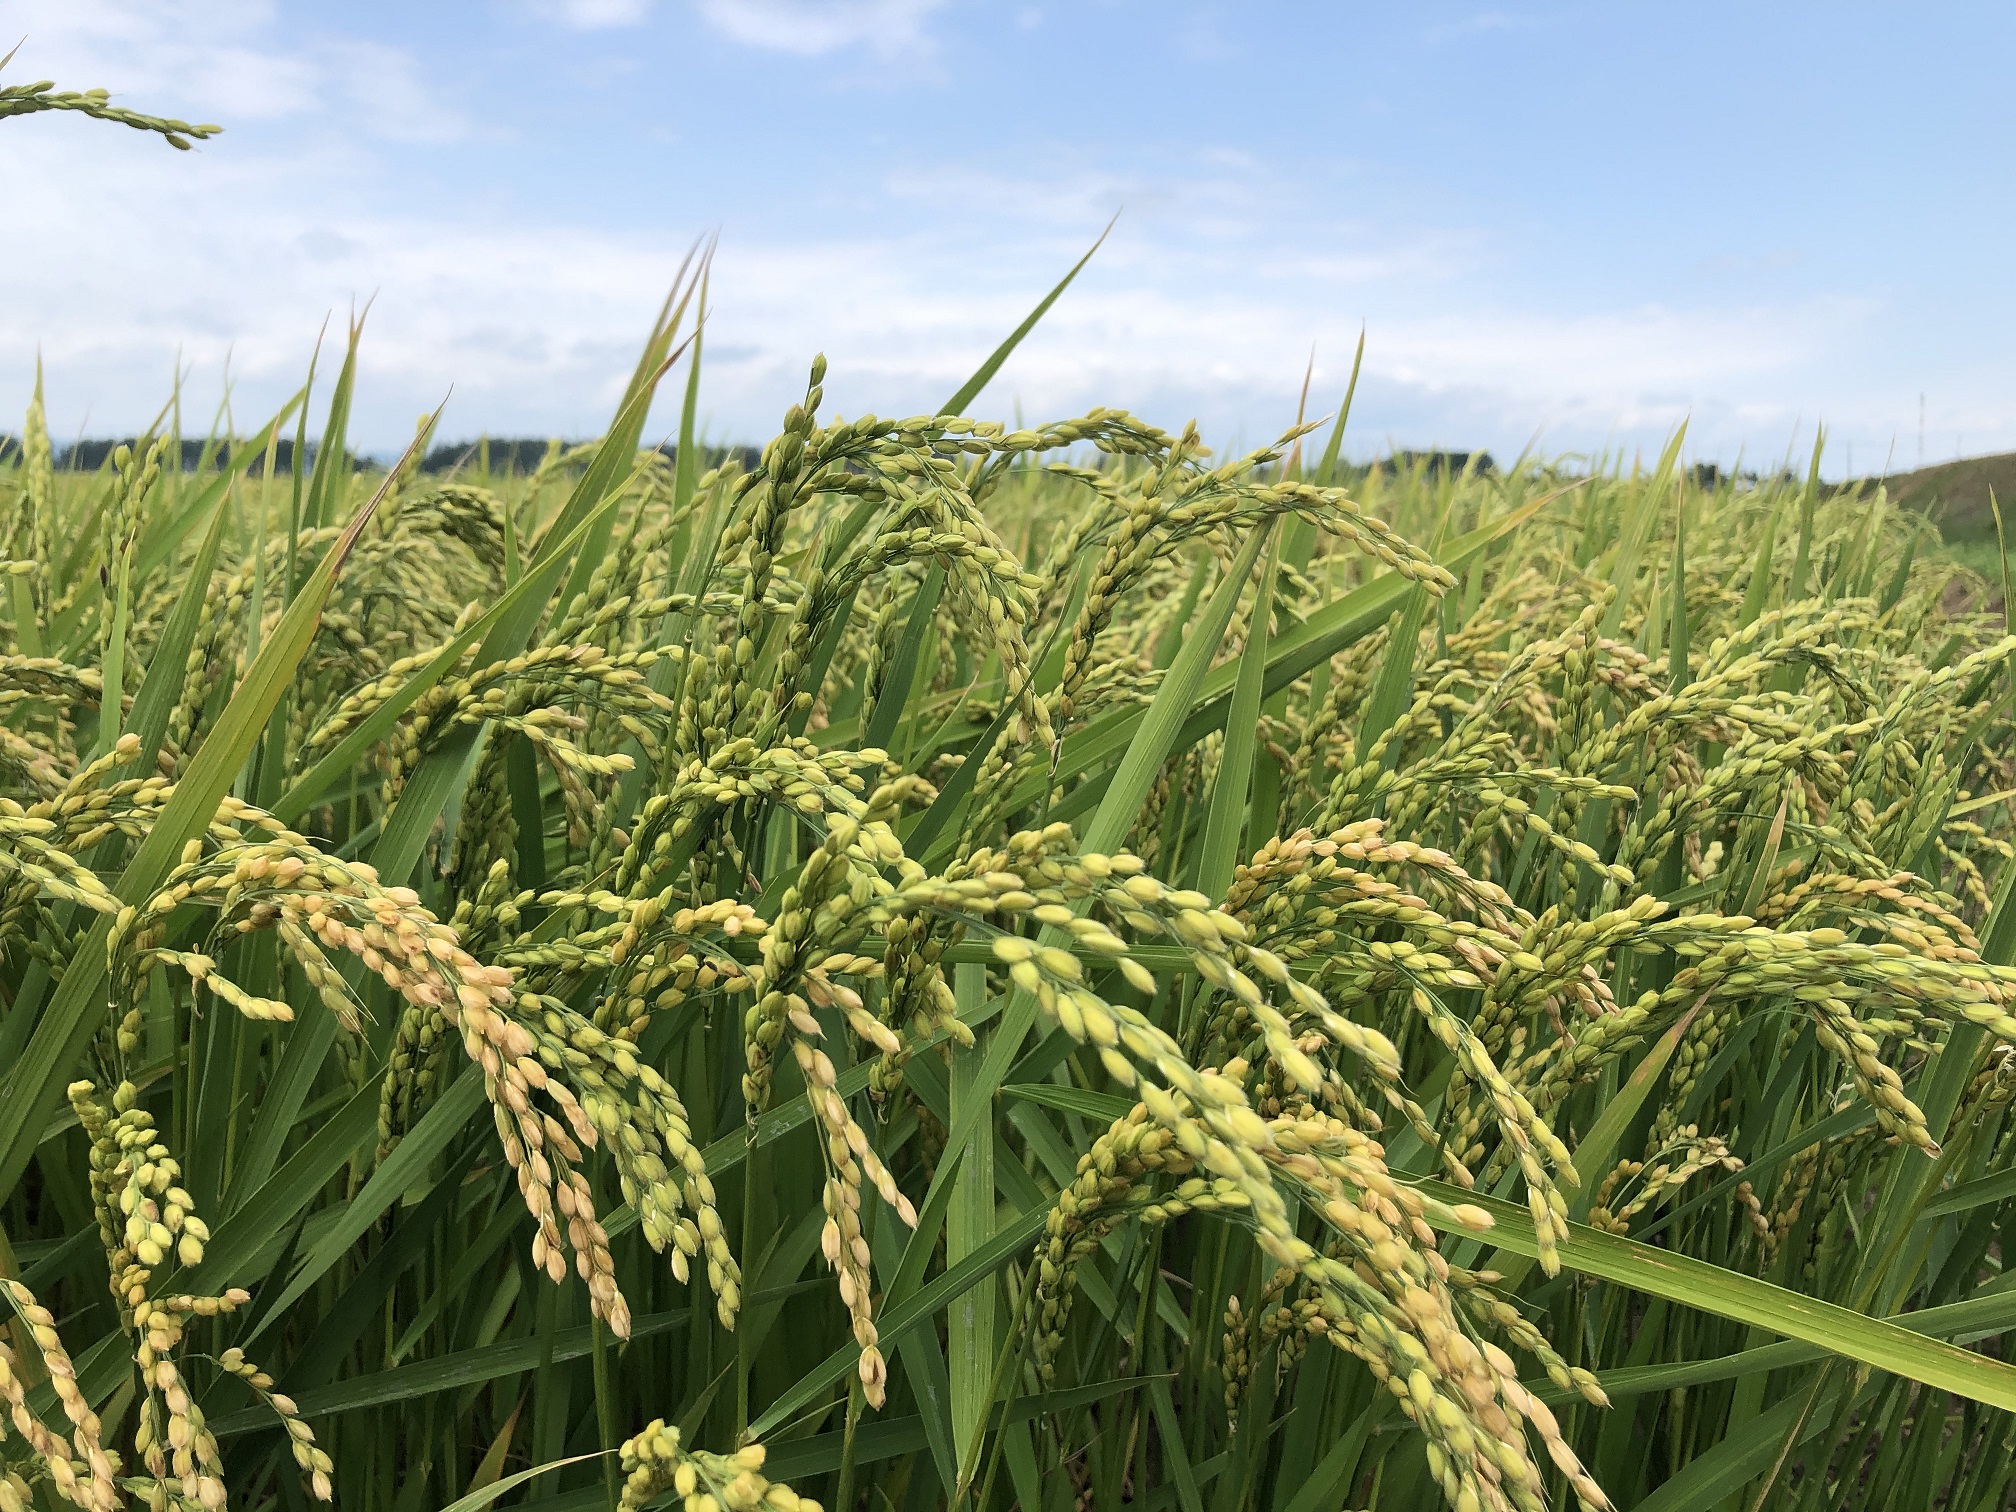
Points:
(388, 87)
(593, 15)
(811, 28)
(235, 59)
(1483, 23)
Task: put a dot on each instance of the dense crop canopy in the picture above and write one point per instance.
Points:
(933, 963)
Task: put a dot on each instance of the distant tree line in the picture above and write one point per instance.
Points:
(1436, 463)
(507, 454)
(522, 454)
(93, 453)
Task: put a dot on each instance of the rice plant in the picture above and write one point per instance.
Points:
(958, 966)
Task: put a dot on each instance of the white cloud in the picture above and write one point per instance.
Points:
(593, 15)
(386, 85)
(812, 27)
(204, 59)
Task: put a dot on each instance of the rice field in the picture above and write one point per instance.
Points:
(940, 965)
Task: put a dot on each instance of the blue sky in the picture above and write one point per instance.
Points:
(1572, 222)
